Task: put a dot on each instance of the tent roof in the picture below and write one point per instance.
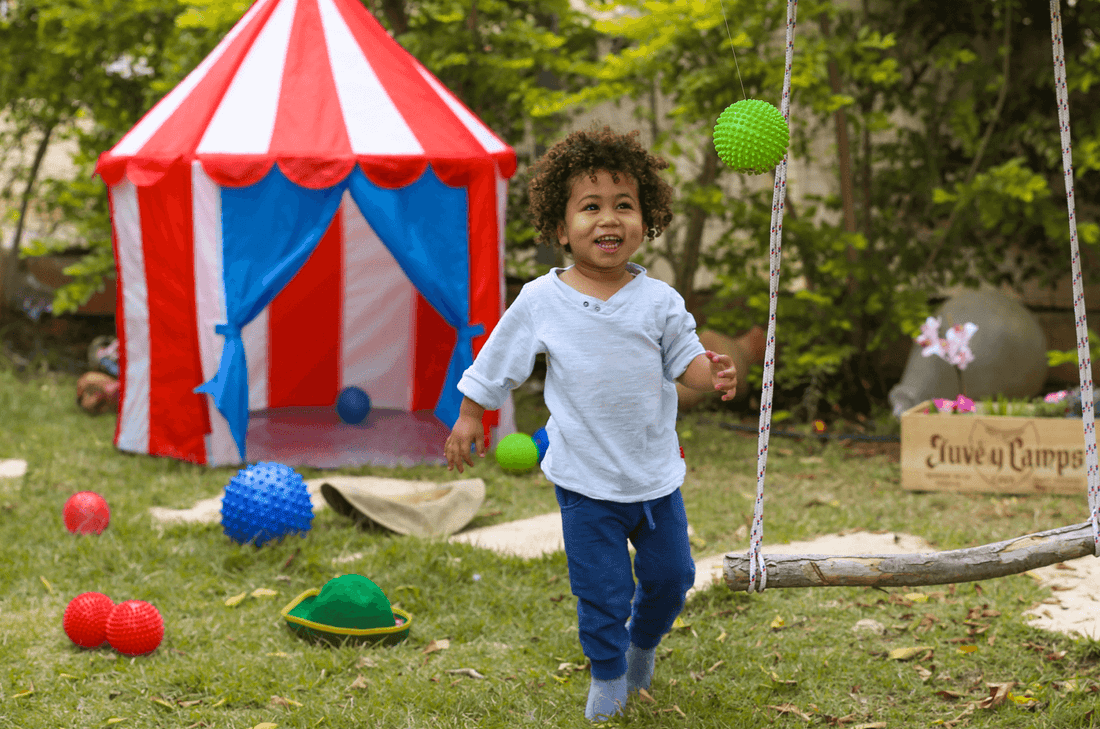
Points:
(315, 86)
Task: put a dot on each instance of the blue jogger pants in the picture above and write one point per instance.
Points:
(596, 534)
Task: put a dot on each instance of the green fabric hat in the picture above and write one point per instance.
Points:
(349, 607)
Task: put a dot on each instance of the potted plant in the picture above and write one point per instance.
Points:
(1015, 447)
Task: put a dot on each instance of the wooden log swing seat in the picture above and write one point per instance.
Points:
(752, 571)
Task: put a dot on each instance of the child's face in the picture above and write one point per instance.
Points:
(603, 224)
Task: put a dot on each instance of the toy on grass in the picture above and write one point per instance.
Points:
(86, 512)
(751, 136)
(266, 501)
(134, 628)
(517, 452)
(85, 619)
(353, 405)
(348, 608)
(542, 442)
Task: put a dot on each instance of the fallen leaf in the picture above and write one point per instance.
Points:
(216, 705)
(950, 695)
(716, 665)
(680, 624)
(236, 600)
(21, 694)
(968, 649)
(162, 702)
(49, 587)
(116, 720)
(908, 654)
(465, 672)
(66, 675)
(283, 701)
(775, 679)
(792, 709)
(998, 694)
(916, 597)
(722, 638)
(366, 662)
(646, 697)
(186, 704)
(872, 725)
(266, 725)
(360, 682)
(278, 654)
(437, 645)
(923, 672)
(263, 592)
(777, 623)
(1024, 701)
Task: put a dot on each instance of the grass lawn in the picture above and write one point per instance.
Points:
(783, 658)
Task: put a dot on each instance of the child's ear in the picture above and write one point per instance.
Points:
(562, 238)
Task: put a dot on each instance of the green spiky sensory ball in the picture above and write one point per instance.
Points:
(751, 136)
(517, 452)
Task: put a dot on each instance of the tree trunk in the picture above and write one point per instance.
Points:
(9, 260)
(693, 234)
(395, 13)
(930, 568)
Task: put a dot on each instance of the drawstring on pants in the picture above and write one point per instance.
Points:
(649, 516)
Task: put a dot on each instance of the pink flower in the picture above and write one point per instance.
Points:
(961, 404)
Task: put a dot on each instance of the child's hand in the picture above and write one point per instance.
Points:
(724, 374)
(466, 432)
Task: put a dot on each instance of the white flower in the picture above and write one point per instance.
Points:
(929, 338)
(958, 344)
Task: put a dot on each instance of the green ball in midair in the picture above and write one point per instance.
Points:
(751, 136)
(517, 452)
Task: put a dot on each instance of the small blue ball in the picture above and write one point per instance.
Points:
(266, 501)
(353, 405)
(542, 442)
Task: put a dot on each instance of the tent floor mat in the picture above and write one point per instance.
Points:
(315, 436)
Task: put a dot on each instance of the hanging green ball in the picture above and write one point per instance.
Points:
(517, 452)
(751, 136)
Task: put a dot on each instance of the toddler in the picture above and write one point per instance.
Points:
(615, 342)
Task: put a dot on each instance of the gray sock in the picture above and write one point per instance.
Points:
(605, 698)
(639, 668)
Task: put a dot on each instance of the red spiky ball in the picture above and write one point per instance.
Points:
(85, 619)
(134, 628)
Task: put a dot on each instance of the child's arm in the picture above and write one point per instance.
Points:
(711, 371)
(468, 430)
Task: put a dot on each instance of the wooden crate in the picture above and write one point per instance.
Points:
(991, 453)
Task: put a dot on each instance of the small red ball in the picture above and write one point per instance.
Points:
(86, 513)
(85, 620)
(134, 628)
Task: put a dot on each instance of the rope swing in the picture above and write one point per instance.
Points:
(752, 571)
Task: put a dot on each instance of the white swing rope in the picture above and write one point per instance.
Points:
(757, 568)
(1084, 365)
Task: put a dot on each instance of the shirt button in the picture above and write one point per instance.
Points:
(586, 303)
(597, 307)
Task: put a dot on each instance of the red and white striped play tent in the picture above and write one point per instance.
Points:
(309, 209)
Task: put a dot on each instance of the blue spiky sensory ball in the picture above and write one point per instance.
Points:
(751, 136)
(266, 501)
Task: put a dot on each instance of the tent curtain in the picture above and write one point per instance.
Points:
(425, 227)
(269, 230)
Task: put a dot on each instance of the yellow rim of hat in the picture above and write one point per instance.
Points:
(285, 612)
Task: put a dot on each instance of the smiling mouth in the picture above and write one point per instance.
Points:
(609, 245)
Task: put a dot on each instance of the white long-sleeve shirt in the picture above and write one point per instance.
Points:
(611, 369)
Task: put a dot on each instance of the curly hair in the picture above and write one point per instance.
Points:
(584, 153)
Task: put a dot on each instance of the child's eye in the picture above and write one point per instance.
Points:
(590, 205)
